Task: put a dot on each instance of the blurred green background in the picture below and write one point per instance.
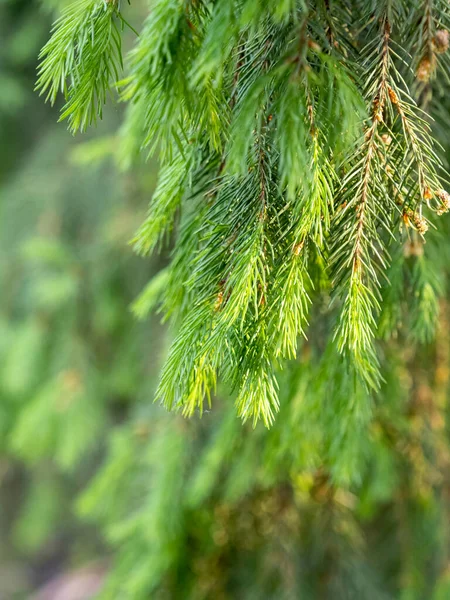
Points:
(74, 362)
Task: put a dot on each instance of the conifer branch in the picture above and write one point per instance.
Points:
(258, 110)
(360, 209)
(82, 59)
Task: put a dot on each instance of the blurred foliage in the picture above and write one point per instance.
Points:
(72, 358)
(92, 472)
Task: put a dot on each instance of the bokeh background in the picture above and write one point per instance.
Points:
(74, 361)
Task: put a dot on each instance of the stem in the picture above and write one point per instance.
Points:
(378, 106)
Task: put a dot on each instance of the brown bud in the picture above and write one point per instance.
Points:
(219, 301)
(298, 248)
(427, 194)
(406, 218)
(386, 138)
(421, 224)
(393, 96)
(425, 69)
(443, 195)
(313, 45)
(441, 41)
(377, 110)
(444, 206)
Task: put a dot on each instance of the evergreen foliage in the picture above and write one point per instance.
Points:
(297, 155)
(297, 167)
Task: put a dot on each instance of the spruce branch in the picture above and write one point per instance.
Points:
(364, 205)
(430, 41)
(407, 179)
(173, 182)
(82, 60)
(294, 158)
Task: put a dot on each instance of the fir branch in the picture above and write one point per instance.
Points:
(429, 42)
(359, 216)
(420, 145)
(82, 60)
(257, 111)
(173, 183)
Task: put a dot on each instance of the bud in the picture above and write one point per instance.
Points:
(406, 219)
(377, 111)
(421, 224)
(298, 248)
(441, 41)
(393, 96)
(219, 301)
(443, 195)
(444, 206)
(379, 115)
(427, 194)
(425, 69)
(314, 46)
(386, 138)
